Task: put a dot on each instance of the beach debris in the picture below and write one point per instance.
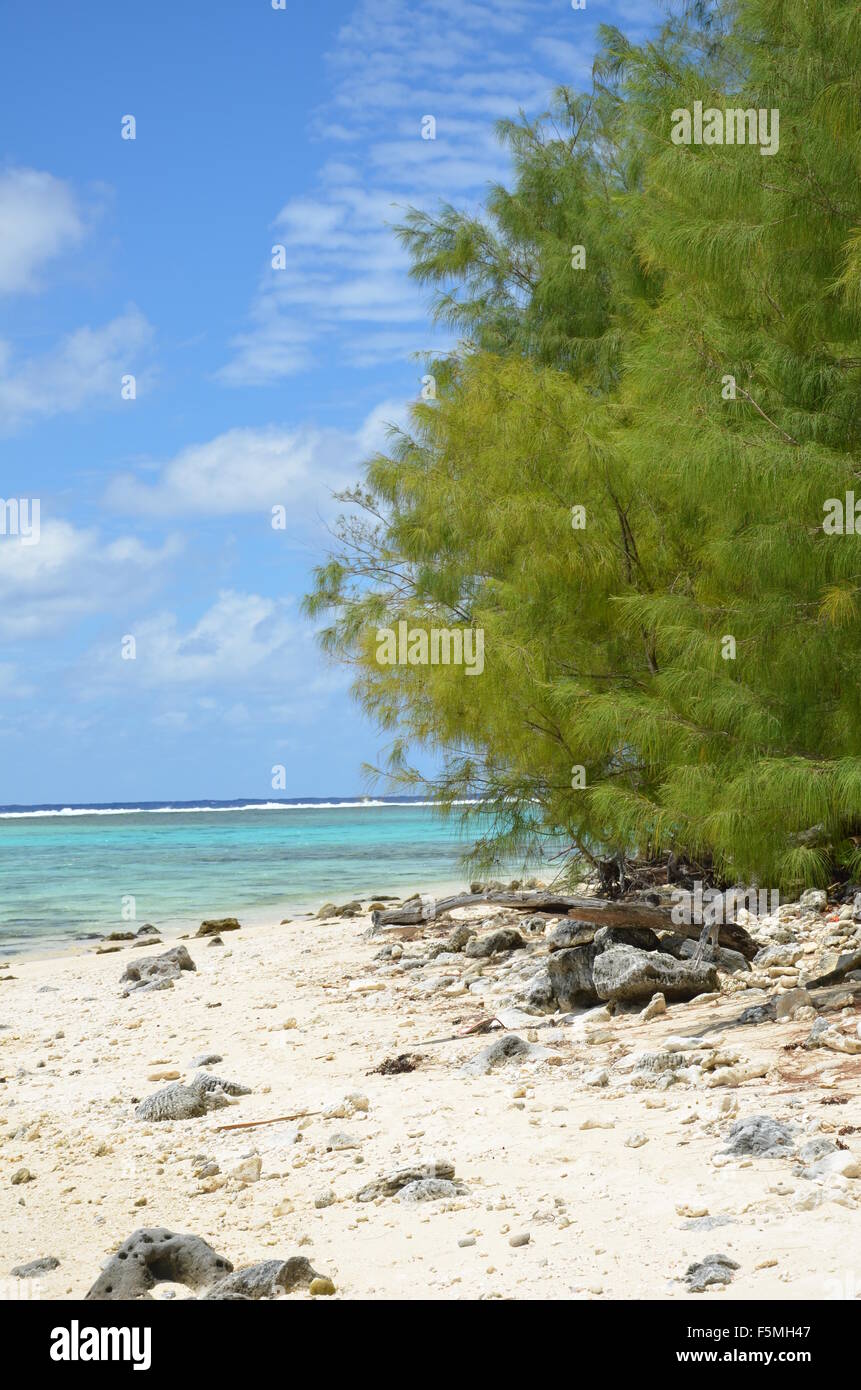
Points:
(180, 1102)
(275, 1120)
(519, 1239)
(321, 1287)
(206, 1059)
(267, 1279)
(392, 1183)
(509, 1048)
(397, 1066)
(215, 941)
(714, 1269)
(152, 1255)
(759, 1136)
(22, 1175)
(157, 973)
(215, 926)
(35, 1267)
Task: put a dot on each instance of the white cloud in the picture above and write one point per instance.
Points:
(241, 640)
(39, 219)
(345, 288)
(71, 573)
(252, 470)
(86, 367)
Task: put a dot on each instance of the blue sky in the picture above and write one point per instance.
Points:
(254, 387)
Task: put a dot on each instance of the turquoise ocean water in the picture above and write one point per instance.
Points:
(65, 872)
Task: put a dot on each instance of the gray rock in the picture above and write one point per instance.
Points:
(180, 1102)
(778, 955)
(506, 1049)
(760, 1013)
(393, 1182)
(624, 972)
(759, 1136)
(157, 973)
(714, 1269)
(505, 939)
(538, 994)
(814, 898)
(153, 1255)
(643, 938)
(206, 1059)
(430, 1190)
(35, 1267)
(460, 937)
(571, 976)
(267, 1279)
(570, 932)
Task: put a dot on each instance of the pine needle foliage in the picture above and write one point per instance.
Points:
(695, 647)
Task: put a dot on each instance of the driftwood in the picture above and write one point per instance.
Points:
(275, 1120)
(601, 911)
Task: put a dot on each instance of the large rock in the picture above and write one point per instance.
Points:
(624, 972)
(571, 978)
(152, 1255)
(505, 939)
(570, 932)
(157, 973)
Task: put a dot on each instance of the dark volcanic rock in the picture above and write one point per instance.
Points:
(624, 972)
(214, 927)
(152, 1255)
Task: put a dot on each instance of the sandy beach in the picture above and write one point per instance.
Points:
(578, 1170)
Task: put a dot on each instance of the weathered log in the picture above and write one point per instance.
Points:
(601, 911)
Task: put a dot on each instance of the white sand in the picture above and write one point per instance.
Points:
(603, 1217)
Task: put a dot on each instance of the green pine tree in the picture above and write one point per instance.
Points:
(691, 381)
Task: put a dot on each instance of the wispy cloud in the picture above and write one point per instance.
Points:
(85, 368)
(466, 63)
(71, 573)
(40, 217)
